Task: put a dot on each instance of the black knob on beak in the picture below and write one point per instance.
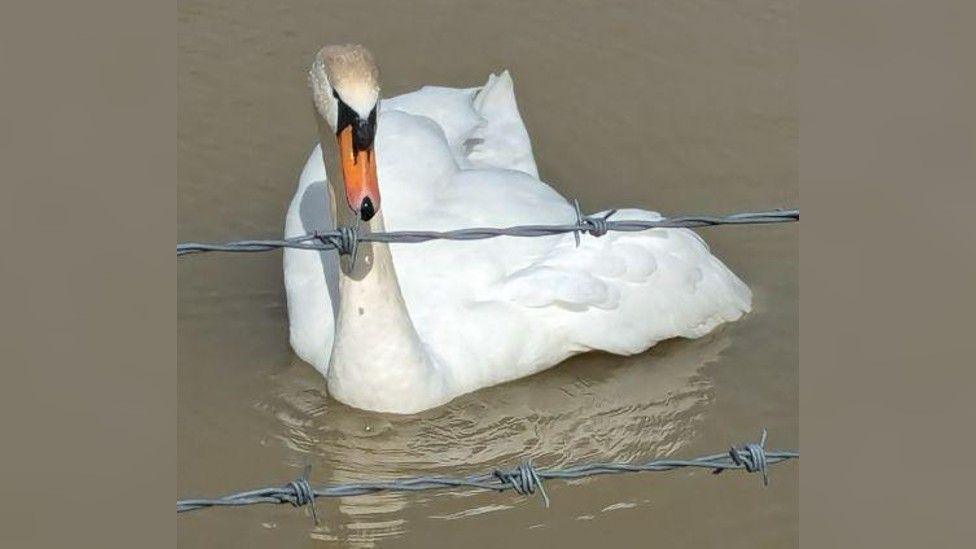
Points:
(366, 211)
(363, 132)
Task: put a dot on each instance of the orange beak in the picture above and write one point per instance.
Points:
(359, 175)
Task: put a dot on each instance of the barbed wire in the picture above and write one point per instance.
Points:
(524, 479)
(346, 239)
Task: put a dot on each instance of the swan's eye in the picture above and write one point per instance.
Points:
(346, 116)
(334, 94)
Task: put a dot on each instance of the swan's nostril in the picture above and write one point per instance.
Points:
(366, 211)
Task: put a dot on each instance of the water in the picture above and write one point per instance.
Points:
(681, 107)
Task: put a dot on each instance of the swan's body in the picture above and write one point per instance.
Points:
(474, 314)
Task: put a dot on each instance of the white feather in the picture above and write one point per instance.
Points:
(499, 309)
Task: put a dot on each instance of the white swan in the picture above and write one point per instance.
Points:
(419, 324)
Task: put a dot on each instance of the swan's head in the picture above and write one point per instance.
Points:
(346, 91)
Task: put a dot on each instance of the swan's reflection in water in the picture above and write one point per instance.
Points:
(594, 407)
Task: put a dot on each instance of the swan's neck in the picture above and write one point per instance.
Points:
(378, 361)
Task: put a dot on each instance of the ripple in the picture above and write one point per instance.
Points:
(618, 506)
(595, 407)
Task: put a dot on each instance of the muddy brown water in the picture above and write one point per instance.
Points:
(680, 107)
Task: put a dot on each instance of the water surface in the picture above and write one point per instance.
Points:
(680, 107)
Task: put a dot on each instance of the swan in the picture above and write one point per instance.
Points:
(407, 327)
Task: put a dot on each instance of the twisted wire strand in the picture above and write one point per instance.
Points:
(346, 239)
(524, 479)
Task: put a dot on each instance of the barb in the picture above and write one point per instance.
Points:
(753, 457)
(304, 493)
(346, 239)
(524, 479)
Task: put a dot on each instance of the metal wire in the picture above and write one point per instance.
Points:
(345, 239)
(523, 479)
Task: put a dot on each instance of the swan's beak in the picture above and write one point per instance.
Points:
(359, 169)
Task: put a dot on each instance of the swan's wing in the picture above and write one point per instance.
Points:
(623, 292)
(482, 126)
(502, 140)
(311, 277)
